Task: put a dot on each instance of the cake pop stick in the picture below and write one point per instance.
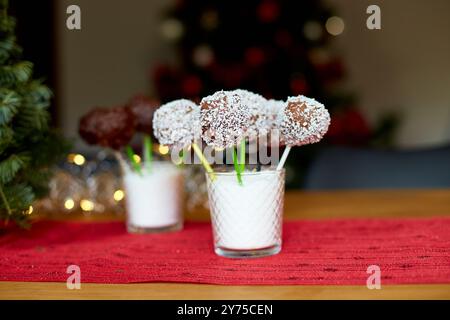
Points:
(303, 121)
(284, 157)
(239, 164)
(131, 156)
(148, 153)
(203, 160)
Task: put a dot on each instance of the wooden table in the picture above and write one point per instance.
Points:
(298, 205)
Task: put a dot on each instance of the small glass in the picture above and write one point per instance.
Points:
(154, 198)
(247, 218)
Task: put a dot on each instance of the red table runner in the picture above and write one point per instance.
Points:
(331, 252)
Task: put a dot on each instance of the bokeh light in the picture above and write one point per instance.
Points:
(119, 195)
(69, 204)
(86, 205)
(163, 149)
(335, 25)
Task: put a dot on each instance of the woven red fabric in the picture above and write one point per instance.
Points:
(329, 252)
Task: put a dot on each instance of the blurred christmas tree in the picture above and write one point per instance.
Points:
(27, 146)
(275, 48)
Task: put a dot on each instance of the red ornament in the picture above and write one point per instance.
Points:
(254, 57)
(331, 71)
(229, 76)
(268, 11)
(191, 85)
(349, 128)
(299, 86)
(167, 82)
(283, 39)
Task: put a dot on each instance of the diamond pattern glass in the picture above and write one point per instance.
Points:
(247, 218)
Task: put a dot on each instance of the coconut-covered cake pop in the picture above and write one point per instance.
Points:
(274, 109)
(257, 106)
(108, 127)
(224, 119)
(177, 123)
(303, 121)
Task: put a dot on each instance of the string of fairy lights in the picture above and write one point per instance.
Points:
(88, 205)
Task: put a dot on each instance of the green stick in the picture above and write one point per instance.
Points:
(181, 155)
(134, 163)
(148, 155)
(242, 156)
(237, 167)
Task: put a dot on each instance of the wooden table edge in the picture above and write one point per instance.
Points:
(177, 291)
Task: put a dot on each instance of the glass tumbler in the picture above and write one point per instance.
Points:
(154, 199)
(247, 219)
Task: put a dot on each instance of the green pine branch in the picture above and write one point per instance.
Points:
(10, 166)
(12, 75)
(9, 104)
(28, 147)
(7, 48)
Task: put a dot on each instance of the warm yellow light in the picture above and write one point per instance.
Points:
(86, 205)
(137, 158)
(79, 159)
(335, 26)
(69, 204)
(119, 195)
(163, 149)
(30, 210)
(70, 157)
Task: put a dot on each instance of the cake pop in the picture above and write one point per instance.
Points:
(224, 119)
(274, 111)
(143, 108)
(108, 127)
(177, 123)
(259, 115)
(303, 121)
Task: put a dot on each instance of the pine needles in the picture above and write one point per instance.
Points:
(28, 147)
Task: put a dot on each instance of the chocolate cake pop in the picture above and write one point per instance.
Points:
(143, 108)
(108, 127)
(303, 121)
(177, 123)
(224, 119)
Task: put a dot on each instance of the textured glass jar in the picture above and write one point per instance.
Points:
(154, 199)
(247, 219)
